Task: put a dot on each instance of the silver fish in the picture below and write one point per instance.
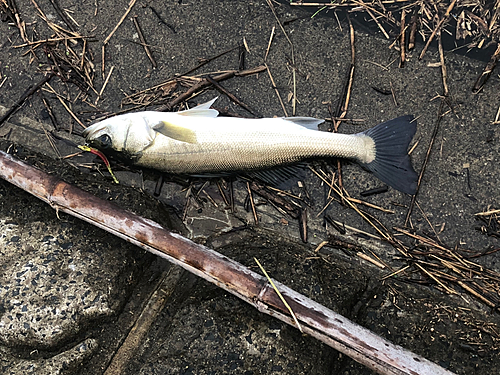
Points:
(196, 141)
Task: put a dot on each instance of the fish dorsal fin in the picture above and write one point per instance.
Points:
(174, 131)
(306, 122)
(202, 110)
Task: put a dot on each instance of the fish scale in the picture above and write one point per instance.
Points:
(247, 151)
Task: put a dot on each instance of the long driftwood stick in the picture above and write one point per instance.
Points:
(316, 320)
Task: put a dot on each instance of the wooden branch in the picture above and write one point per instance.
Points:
(316, 320)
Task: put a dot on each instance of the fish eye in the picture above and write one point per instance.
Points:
(104, 141)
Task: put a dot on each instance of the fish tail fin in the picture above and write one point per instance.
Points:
(392, 163)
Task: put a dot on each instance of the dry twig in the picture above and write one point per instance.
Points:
(143, 41)
(129, 8)
(25, 96)
(438, 27)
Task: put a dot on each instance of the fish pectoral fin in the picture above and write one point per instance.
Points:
(202, 110)
(177, 132)
(306, 122)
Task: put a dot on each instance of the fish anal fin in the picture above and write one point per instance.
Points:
(279, 176)
(306, 122)
(177, 132)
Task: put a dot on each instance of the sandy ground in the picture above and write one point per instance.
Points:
(70, 293)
